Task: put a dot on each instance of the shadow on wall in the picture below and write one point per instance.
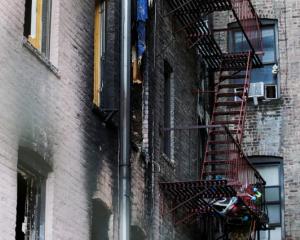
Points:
(137, 233)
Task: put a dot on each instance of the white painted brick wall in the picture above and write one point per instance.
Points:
(53, 117)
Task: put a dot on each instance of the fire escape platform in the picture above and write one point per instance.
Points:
(188, 189)
(198, 197)
(190, 14)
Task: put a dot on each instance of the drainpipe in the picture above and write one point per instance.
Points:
(124, 161)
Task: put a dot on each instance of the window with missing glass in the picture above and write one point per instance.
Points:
(268, 73)
(30, 219)
(37, 23)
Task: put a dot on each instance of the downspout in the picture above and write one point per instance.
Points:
(124, 161)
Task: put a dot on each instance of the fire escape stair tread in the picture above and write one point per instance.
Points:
(231, 85)
(203, 6)
(225, 77)
(214, 173)
(229, 103)
(226, 122)
(219, 162)
(221, 132)
(219, 142)
(221, 152)
(226, 113)
(230, 94)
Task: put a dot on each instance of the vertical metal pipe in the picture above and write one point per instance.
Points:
(124, 162)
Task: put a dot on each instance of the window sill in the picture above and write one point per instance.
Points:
(40, 56)
(266, 102)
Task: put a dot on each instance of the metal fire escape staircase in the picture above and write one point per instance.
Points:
(226, 173)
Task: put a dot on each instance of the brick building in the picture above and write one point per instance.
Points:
(271, 125)
(58, 154)
(59, 75)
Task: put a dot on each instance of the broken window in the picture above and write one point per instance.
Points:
(37, 24)
(30, 206)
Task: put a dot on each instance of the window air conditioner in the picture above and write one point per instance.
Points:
(257, 90)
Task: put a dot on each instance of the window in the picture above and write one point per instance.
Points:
(37, 24)
(167, 108)
(30, 206)
(99, 51)
(32, 176)
(267, 74)
(271, 171)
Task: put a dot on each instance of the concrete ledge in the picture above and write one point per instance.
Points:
(40, 56)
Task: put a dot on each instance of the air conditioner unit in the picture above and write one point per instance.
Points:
(257, 90)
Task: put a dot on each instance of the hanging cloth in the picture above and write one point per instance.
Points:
(142, 16)
(142, 10)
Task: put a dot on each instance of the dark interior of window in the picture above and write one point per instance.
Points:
(21, 202)
(27, 18)
(167, 108)
(30, 198)
(271, 91)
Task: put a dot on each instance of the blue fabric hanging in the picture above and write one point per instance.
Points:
(142, 16)
(142, 10)
(141, 43)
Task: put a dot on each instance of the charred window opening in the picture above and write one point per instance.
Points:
(27, 20)
(30, 206)
(167, 108)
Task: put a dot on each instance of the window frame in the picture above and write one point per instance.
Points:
(40, 30)
(269, 161)
(266, 23)
(36, 230)
(100, 25)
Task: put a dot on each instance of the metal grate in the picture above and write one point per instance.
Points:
(191, 14)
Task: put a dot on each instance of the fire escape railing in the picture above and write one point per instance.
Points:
(197, 197)
(248, 20)
(226, 174)
(192, 14)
